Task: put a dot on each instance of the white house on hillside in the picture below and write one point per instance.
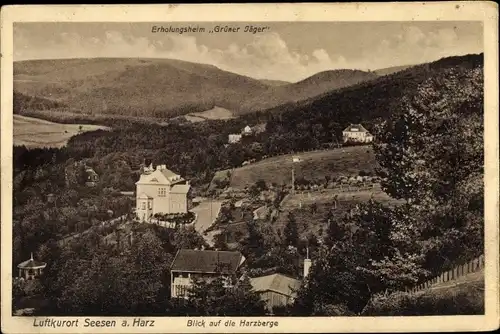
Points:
(356, 133)
(160, 191)
(247, 130)
(234, 138)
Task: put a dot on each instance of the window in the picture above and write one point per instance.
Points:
(143, 205)
(162, 192)
(150, 205)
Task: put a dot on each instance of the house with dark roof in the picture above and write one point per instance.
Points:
(356, 133)
(189, 265)
(160, 191)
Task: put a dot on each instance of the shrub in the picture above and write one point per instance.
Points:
(449, 302)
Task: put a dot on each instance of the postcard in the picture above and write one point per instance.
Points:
(248, 168)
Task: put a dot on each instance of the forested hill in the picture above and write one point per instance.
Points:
(366, 103)
(161, 88)
(312, 86)
(133, 87)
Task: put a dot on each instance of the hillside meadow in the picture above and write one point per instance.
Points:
(36, 133)
(314, 165)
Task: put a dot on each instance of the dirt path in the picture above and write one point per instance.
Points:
(206, 213)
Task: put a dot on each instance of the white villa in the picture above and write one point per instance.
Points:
(247, 130)
(160, 191)
(357, 133)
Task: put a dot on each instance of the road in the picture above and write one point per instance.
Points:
(206, 213)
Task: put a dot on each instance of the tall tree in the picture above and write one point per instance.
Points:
(291, 231)
(431, 155)
(215, 298)
(253, 245)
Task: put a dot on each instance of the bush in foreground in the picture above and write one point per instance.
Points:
(468, 301)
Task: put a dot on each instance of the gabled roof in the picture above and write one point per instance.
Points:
(276, 282)
(180, 189)
(207, 261)
(160, 176)
(355, 128)
(169, 174)
(89, 170)
(31, 264)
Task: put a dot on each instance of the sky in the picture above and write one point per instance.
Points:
(289, 51)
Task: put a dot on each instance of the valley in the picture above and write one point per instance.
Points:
(265, 168)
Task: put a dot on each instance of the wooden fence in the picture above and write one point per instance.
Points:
(450, 275)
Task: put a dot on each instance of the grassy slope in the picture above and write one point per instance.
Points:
(315, 165)
(33, 132)
(346, 161)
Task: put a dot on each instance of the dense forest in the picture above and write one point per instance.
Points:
(428, 129)
(137, 87)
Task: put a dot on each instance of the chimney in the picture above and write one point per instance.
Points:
(307, 264)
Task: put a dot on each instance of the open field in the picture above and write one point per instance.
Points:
(348, 161)
(213, 114)
(37, 133)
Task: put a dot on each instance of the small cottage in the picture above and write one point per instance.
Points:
(276, 290)
(234, 138)
(247, 130)
(356, 133)
(91, 177)
(192, 264)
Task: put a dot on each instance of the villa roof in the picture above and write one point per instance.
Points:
(169, 174)
(355, 128)
(181, 188)
(207, 261)
(144, 195)
(277, 283)
(160, 175)
(31, 264)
